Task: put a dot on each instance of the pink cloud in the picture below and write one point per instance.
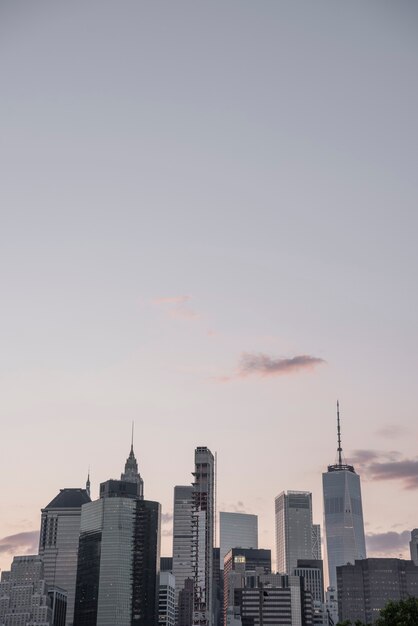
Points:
(177, 307)
(263, 365)
(172, 300)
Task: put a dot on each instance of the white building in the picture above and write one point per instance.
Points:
(24, 596)
(166, 600)
(237, 530)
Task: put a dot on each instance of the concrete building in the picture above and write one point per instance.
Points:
(203, 535)
(413, 546)
(272, 599)
(184, 610)
(166, 600)
(343, 514)
(313, 575)
(365, 587)
(58, 542)
(237, 530)
(182, 541)
(119, 558)
(24, 595)
(294, 529)
(331, 604)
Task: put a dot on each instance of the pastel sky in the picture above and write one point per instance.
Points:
(208, 225)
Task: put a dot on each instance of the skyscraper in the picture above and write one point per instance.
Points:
(237, 530)
(343, 513)
(183, 544)
(119, 556)
(58, 542)
(293, 529)
(203, 534)
(413, 546)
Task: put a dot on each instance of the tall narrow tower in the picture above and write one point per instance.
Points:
(343, 513)
(203, 535)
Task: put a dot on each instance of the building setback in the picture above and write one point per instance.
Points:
(58, 542)
(365, 587)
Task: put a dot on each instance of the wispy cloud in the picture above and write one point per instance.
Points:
(390, 465)
(166, 518)
(24, 543)
(388, 543)
(177, 307)
(263, 365)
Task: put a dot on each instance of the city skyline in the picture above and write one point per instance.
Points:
(208, 228)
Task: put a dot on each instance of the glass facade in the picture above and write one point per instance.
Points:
(182, 536)
(293, 529)
(343, 517)
(237, 530)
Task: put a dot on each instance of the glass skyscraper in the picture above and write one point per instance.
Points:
(293, 529)
(183, 542)
(343, 514)
(237, 530)
(119, 556)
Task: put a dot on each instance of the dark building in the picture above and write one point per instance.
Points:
(185, 603)
(119, 556)
(217, 595)
(242, 560)
(367, 586)
(166, 564)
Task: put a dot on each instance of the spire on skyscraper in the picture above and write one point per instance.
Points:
(131, 473)
(88, 483)
(340, 465)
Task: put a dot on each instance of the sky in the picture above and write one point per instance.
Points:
(208, 219)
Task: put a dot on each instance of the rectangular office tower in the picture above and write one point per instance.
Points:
(183, 546)
(58, 542)
(366, 587)
(343, 514)
(293, 529)
(203, 535)
(119, 556)
(237, 530)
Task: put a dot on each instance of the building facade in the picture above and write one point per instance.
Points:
(183, 543)
(203, 535)
(365, 587)
(294, 529)
(24, 595)
(119, 558)
(343, 514)
(166, 600)
(316, 542)
(58, 542)
(237, 530)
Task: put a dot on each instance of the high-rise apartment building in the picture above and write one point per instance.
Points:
(237, 530)
(365, 587)
(343, 514)
(293, 529)
(203, 535)
(183, 544)
(58, 542)
(166, 600)
(119, 557)
(413, 546)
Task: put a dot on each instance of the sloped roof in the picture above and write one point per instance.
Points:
(69, 499)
